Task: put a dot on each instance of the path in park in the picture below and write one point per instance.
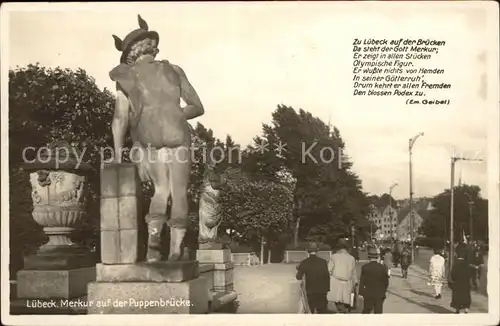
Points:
(272, 288)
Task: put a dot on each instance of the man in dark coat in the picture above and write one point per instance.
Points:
(396, 254)
(479, 260)
(461, 249)
(405, 262)
(475, 266)
(317, 278)
(373, 284)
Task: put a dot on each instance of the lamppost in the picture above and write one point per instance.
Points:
(353, 231)
(470, 202)
(454, 159)
(411, 142)
(390, 207)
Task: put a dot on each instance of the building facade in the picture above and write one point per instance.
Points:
(394, 222)
(386, 221)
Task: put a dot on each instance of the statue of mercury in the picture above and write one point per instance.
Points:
(148, 106)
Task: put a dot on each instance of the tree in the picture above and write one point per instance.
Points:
(255, 209)
(382, 201)
(47, 105)
(439, 217)
(327, 195)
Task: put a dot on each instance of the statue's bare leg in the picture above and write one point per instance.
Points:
(157, 218)
(180, 168)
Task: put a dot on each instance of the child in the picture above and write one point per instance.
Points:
(437, 272)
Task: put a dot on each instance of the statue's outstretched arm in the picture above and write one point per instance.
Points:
(120, 121)
(193, 108)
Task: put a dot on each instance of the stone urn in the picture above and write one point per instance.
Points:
(59, 193)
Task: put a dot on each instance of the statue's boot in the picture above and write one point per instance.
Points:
(176, 238)
(155, 227)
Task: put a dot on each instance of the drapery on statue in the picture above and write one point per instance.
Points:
(210, 214)
(148, 105)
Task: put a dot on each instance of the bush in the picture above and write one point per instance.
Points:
(239, 249)
(47, 105)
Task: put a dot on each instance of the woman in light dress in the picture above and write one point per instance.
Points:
(437, 272)
(343, 279)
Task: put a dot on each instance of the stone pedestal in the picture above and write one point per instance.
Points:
(54, 284)
(148, 288)
(124, 284)
(121, 195)
(216, 263)
(223, 277)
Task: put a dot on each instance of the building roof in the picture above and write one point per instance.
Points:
(421, 206)
(403, 212)
(424, 213)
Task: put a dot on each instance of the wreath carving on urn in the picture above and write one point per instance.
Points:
(60, 155)
(43, 178)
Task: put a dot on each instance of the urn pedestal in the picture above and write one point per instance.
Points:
(217, 268)
(60, 269)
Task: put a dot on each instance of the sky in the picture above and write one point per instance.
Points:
(245, 59)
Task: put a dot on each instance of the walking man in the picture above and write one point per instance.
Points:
(317, 279)
(387, 260)
(343, 279)
(405, 262)
(475, 265)
(373, 283)
(396, 255)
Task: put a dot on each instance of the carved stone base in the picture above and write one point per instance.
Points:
(163, 271)
(188, 297)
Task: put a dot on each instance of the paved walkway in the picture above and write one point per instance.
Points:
(419, 295)
(272, 288)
